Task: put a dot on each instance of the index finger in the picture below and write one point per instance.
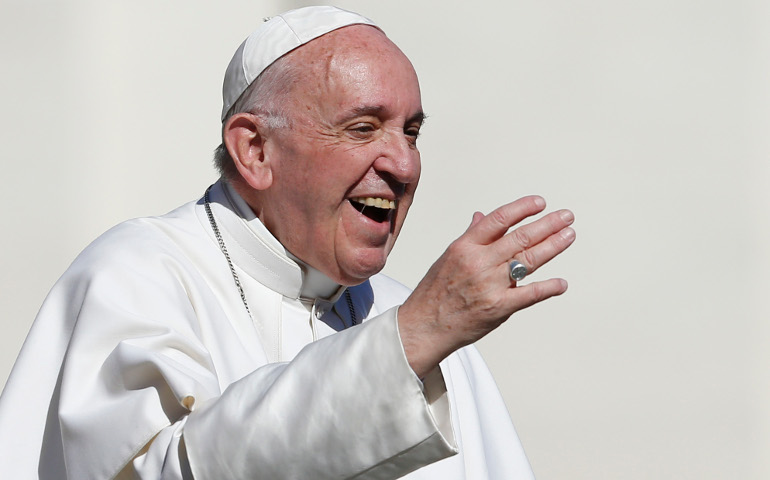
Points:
(497, 223)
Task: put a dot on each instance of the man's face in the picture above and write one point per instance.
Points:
(355, 115)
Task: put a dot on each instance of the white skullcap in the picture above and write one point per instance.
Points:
(275, 38)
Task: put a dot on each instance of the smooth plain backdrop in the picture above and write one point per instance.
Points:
(649, 120)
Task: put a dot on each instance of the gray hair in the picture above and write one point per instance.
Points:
(266, 97)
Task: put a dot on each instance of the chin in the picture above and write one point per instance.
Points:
(362, 269)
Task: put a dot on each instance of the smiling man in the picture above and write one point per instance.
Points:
(249, 334)
(335, 184)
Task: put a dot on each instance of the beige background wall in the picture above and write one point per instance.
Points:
(649, 119)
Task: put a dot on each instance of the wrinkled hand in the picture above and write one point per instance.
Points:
(468, 293)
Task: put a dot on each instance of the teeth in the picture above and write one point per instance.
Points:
(376, 202)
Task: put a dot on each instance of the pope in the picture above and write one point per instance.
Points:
(249, 334)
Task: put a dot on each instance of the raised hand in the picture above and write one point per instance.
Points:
(468, 292)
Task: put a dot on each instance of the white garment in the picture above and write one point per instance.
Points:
(143, 360)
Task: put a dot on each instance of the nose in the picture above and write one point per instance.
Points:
(399, 158)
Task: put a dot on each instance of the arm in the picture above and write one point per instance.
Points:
(283, 421)
(347, 406)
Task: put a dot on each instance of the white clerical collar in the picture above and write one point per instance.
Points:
(312, 282)
(244, 210)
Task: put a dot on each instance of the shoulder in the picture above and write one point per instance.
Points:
(140, 242)
(146, 271)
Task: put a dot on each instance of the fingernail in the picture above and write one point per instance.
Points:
(567, 216)
(568, 234)
(540, 202)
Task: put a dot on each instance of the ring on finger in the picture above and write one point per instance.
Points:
(517, 271)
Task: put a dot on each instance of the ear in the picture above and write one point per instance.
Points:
(243, 136)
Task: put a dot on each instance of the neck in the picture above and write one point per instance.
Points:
(315, 284)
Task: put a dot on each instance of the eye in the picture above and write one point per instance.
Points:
(412, 132)
(362, 130)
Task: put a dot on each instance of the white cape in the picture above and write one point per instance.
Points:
(143, 363)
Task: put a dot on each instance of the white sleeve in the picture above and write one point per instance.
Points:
(347, 406)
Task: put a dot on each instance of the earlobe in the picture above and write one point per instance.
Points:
(243, 137)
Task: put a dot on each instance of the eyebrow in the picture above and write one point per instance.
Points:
(418, 117)
(377, 110)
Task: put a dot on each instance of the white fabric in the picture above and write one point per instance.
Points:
(143, 363)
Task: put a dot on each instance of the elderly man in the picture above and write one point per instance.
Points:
(249, 335)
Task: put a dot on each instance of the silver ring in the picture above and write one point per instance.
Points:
(517, 271)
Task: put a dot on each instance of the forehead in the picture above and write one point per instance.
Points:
(354, 41)
(355, 61)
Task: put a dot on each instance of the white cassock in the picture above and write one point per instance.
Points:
(144, 363)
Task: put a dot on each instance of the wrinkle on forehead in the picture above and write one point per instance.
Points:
(351, 39)
(345, 51)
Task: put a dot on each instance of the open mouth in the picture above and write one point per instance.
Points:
(377, 209)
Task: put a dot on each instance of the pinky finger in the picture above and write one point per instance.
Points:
(525, 296)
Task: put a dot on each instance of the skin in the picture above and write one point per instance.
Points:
(467, 293)
(355, 115)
